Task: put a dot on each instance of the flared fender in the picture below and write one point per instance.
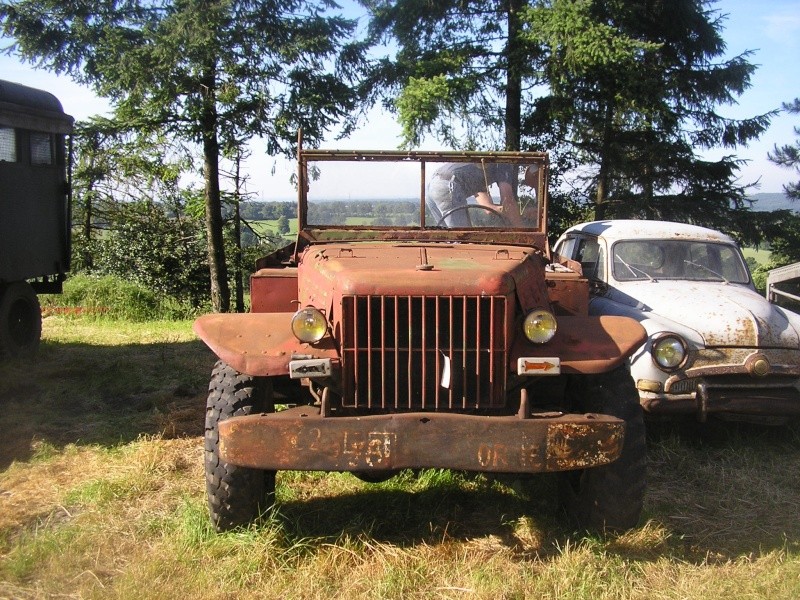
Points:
(587, 345)
(257, 343)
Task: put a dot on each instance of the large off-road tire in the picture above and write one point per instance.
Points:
(609, 498)
(236, 495)
(20, 320)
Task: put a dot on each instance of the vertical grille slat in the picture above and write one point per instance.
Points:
(397, 351)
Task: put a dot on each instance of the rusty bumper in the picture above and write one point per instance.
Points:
(733, 399)
(299, 439)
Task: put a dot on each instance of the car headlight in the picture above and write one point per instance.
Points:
(309, 324)
(539, 326)
(669, 352)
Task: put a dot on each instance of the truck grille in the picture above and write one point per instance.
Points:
(424, 352)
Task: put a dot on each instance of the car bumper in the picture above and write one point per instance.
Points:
(301, 439)
(779, 400)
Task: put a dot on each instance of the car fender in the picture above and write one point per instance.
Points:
(653, 322)
(258, 344)
(586, 344)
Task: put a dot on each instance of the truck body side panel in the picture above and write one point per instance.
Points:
(274, 290)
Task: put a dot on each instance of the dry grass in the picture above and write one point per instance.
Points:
(101, 496)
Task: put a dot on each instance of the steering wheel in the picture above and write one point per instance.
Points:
(489, 209)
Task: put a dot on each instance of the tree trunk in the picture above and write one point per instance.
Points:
(88, 259)
(601, 199)
(238, 276)
(220, 291)
(514, 56)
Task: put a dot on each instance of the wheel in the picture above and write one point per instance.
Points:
(375, 477)
(20, 320)
(236, 495)
(468, 207)
(609, 498)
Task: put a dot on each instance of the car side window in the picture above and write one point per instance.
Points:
(589, 253)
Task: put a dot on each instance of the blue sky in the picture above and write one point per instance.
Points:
(769, 28)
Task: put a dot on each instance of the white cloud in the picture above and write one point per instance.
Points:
(783, 27)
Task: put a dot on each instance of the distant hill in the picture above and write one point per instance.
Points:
(773, 201)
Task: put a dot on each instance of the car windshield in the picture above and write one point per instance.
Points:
(671, 259)
(439, 191)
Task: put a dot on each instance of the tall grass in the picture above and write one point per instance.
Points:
(112, 297)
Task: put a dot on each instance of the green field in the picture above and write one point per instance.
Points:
(760, 255)
(270, 226)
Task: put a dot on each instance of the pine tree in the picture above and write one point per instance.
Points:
(202, 72)
(789, 155)
(641, 119)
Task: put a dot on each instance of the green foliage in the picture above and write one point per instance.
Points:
(634, 88)
(420, 103)
(163, 252)
(454, 63)
(283, 224)
(583, 42)
(626, 92)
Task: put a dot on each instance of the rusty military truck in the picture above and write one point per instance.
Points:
(386, 339)
(34, 211)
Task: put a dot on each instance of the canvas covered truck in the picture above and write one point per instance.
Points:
(385, 340)
(34, 211)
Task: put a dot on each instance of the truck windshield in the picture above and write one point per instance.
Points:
(486, 193)
(670, 259)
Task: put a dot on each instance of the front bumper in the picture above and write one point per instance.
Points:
(712, 397)
(301, 439)
(740, 381)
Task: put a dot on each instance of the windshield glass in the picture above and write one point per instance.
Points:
(430, 194)
(671, 259)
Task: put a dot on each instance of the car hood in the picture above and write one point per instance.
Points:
(721, 314)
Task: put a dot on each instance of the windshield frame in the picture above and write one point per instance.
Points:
(535, 235)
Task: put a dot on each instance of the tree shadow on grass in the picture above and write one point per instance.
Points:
(460, 507)
(107, 395)
(716, 493)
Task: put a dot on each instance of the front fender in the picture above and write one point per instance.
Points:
(258, 344)
(587, 345)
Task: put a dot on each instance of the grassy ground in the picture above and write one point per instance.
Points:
(101, 496)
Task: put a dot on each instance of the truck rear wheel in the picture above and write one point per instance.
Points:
(611, 497)
(20, 320)
(236, 495)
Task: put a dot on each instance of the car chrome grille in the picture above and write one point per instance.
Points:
(684, 386)
(424, 352)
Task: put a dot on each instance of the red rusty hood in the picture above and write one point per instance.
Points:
(411, 269)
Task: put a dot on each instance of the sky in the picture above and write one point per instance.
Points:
(768, 28)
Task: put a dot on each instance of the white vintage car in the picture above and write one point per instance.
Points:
(714, 344)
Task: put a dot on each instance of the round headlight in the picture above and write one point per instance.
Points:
(309, 324)
(539, 326)
(669, 352)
